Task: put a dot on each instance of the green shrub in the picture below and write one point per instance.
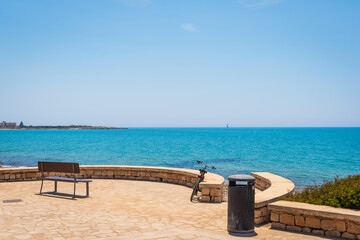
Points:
(340, 192)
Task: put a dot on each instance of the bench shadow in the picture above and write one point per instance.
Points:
(66, 196)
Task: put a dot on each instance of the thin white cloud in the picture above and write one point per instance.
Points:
(188, 27)
(258, 3)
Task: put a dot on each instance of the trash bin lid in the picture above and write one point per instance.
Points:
(241, 177)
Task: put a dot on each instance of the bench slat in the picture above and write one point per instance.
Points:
(59, 167)
(65, 179)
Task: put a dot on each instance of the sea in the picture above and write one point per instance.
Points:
(306, 156)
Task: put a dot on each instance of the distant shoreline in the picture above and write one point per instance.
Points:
(64, 128)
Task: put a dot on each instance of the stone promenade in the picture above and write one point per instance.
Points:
(116, 209)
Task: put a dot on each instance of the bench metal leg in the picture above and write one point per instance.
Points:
(74, 189)
(55, 186)
(87, 189)
(42, 182)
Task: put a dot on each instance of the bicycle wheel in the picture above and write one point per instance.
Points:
(195, 190)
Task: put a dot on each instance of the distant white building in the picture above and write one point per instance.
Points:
(8, 125)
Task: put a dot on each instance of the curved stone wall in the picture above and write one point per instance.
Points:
(272, 187)
(317, 219)
(211, 186)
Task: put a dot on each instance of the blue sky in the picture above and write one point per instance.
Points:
(198, 63)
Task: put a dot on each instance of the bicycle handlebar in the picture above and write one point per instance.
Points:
(206, 166)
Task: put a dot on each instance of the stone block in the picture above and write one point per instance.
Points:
(215, 192)
(318, 232)
(7, 176)
(328, 225)
(287, 219)
(299, 221)
(30, 175)
(274, 217)
(278, 225)
(261, 183)
(216, 199)
(205, 191)
(264, 211)
(348, 236)
(293, 228)
(312, 222)
(110, 173)
(341, 226)
(306, 230)
(205, 198)
(12, 176)
(353, 228)
(259, 220)
(257, 213)
(333, 233)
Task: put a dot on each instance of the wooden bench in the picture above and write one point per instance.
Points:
(63, 168)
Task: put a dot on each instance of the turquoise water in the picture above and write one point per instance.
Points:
(303, 155)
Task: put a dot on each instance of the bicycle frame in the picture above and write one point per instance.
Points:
(201, 177)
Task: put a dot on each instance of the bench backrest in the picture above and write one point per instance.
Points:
(59, 167)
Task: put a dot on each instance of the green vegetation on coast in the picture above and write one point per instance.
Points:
(6, 125)
(340, 192)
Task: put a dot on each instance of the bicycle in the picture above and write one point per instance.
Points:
(196, 187)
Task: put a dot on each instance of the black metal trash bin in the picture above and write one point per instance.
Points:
(241, 204)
